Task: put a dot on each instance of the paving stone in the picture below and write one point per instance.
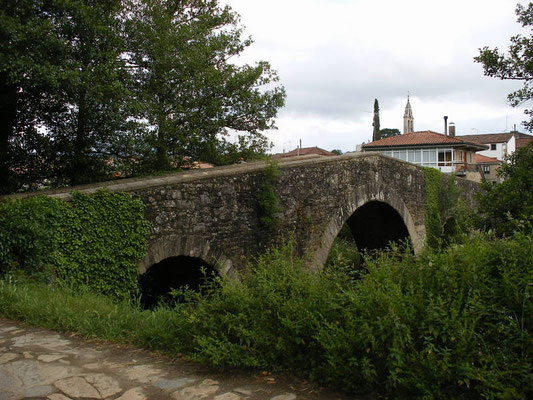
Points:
(93, 366)
(227, 396)
(133, 394)
(144, 374)
(195, 392)
(48, 341)
(77, 386)
(106, 385)
(244, 391)
(58, 396)
(50, 357)
(206, 382)
(173, 384)
(286, 396)
(27, 354)
(5, 358)
(39, 391)
(8, 329)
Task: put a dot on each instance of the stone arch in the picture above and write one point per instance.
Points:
(365, 195)
(175, 246)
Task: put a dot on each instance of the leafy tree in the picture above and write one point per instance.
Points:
(31, 55)
(189, 94)
(517, 65)
(337, 152)
(92, 91)
(61, 88)
(508, 206)
(388, 132)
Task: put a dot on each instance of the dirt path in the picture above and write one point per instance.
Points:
(40, 364)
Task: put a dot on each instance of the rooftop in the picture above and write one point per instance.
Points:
(422, 138)
(488, 138)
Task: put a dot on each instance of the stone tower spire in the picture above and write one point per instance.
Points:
(408, 120)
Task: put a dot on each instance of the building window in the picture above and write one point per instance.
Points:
(493, 146)
(469, 158)
(486, 169)
(445, 158)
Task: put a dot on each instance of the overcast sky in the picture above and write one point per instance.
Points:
(334, 57)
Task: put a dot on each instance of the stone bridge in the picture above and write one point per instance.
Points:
(212, 215)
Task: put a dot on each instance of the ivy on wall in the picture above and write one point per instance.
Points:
(447, 216)
(94, 241)
(267, 198)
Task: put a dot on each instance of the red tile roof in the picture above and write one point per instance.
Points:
(305, 151)
(488, 138)
(523, 142)
(480, 159)
(420, 138)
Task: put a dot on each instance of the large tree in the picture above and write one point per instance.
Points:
(189, 93)
(517, 64)
(61, 90)
(30, 63)
(388, 132)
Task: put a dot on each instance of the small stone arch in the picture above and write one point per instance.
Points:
(190, 246)
(364, 196)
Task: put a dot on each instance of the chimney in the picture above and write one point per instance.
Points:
(445, 125)
(452, 129)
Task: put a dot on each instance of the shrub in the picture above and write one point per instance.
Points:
(452, 324)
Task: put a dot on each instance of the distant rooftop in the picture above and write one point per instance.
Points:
(305, 151)
(488, 138)
(422, 138)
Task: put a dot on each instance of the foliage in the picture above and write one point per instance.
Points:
(508, 206)
(95, 241)
(102, 239)
(452, 324)
(29, 234)
(344, 256)
(517, 65)
(447, 217)
(68, 86)
(337, 152)
(90, 90)
(187, 90)
(388, 132)
(267, 198)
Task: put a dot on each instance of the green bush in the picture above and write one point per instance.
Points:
(453, 324)
(94, 241)
(447, 217)
(507, 207)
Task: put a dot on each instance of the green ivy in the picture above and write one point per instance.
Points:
(268, 200)
(447, 217)
(94, 241)
(432, 179)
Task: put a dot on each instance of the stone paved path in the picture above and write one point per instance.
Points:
(40, 364)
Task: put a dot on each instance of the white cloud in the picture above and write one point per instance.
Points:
(335, 56)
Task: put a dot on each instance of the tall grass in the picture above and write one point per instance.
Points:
(456, 323)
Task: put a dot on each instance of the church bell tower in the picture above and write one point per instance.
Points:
(408, 120)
